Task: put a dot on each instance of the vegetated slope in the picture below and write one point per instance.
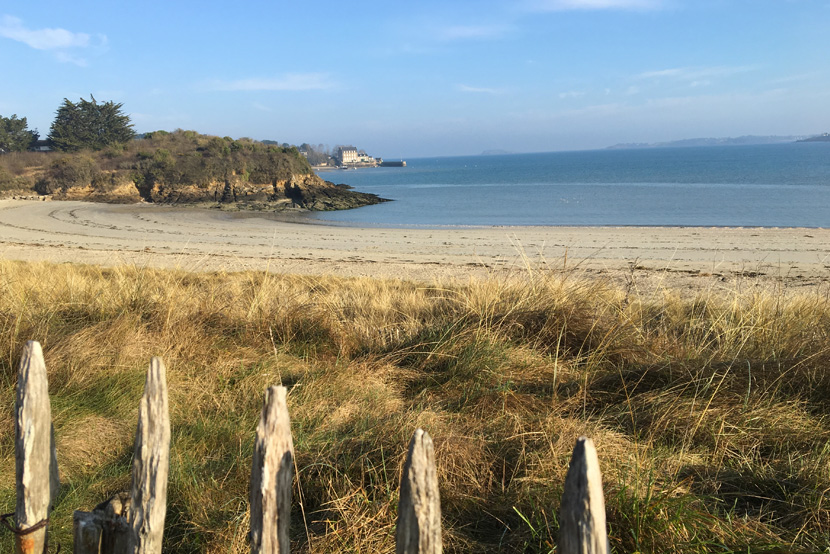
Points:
(818, 138)
(709, 412)
(183, 167)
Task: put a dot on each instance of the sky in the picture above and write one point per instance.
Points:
(428, 78)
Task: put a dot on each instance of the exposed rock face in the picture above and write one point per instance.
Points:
(304, 192)
(328, 196)
(122, 194)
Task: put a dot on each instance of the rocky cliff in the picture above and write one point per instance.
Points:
(185, 167)
(300, 192)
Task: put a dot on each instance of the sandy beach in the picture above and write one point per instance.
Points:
(208, 240)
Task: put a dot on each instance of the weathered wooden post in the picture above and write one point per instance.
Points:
(35, 461)
(582, 513)
(419, 506)
(87, 528)
(272, 474)
(104, 530)
(151, 461)
(116, 534)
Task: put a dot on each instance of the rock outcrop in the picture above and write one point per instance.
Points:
(121, 194)
(300, 192)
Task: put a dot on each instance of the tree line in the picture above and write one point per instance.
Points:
(93, 125)
(159, 160)
(82, 125)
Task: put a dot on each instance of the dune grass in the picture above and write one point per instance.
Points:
(709, 413)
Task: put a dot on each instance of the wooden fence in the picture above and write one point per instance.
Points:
(134, 522)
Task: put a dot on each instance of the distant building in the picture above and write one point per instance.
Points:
(348, 155)
(41, 146)
(352, 157)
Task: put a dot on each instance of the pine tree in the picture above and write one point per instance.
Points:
(14, 134)
(89, 124)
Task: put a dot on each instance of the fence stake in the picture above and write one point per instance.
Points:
(272, 473)
(35, 461)
(151, 460)
(104, 530)
(87, 528)
(419, 507)
(582, 513)
(117, 530)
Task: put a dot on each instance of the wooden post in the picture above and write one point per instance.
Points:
(151, 461)
(272, 473)
(104, 530)
(582, 514)
(35, 461)
(419, 506)
(87, 528)
(115, 538)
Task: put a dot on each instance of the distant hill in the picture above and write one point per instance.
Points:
(495, 152)
(819, 138)
(183, 167)
(728, 141)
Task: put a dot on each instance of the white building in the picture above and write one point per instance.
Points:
(348, 155)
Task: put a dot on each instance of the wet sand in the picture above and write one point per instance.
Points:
(209, 240)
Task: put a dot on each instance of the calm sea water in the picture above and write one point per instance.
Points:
(783, 185)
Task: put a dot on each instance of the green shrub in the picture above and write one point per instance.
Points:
(106, 182)
(68, 171)
(6, 179)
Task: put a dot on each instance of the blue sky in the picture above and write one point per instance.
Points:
(429, 77)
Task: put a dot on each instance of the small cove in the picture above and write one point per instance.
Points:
(780, 185)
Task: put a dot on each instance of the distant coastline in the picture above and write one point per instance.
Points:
(724, 141)
(819, 138)
(757, 185)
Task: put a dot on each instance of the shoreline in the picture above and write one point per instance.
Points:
(211, 240)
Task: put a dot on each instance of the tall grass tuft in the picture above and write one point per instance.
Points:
(709, 413)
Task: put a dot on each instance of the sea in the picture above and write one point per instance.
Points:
(771, 185)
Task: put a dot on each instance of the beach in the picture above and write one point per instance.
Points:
(211, 240)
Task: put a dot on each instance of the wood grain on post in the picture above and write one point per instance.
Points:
(272, 473)
(419, 507)
(151, 461)
(35, 460)
(582, 514)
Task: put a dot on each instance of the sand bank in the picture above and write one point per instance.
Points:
(206, 240)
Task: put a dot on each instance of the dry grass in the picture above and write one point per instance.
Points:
(710, 413)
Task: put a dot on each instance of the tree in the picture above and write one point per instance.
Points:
(14, 135)
(90, 124)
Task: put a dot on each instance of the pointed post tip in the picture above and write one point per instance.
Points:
(582, 511)
(419, 505)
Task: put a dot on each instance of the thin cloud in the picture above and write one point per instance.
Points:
(710, 99)
(42, 39)
(66, 57)
(478, 90)
(60, 42)
(700, 75)
(288, 82)
(571, 94)
(596, 110)
(472, 32)
(794, 78)
(571, 5)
